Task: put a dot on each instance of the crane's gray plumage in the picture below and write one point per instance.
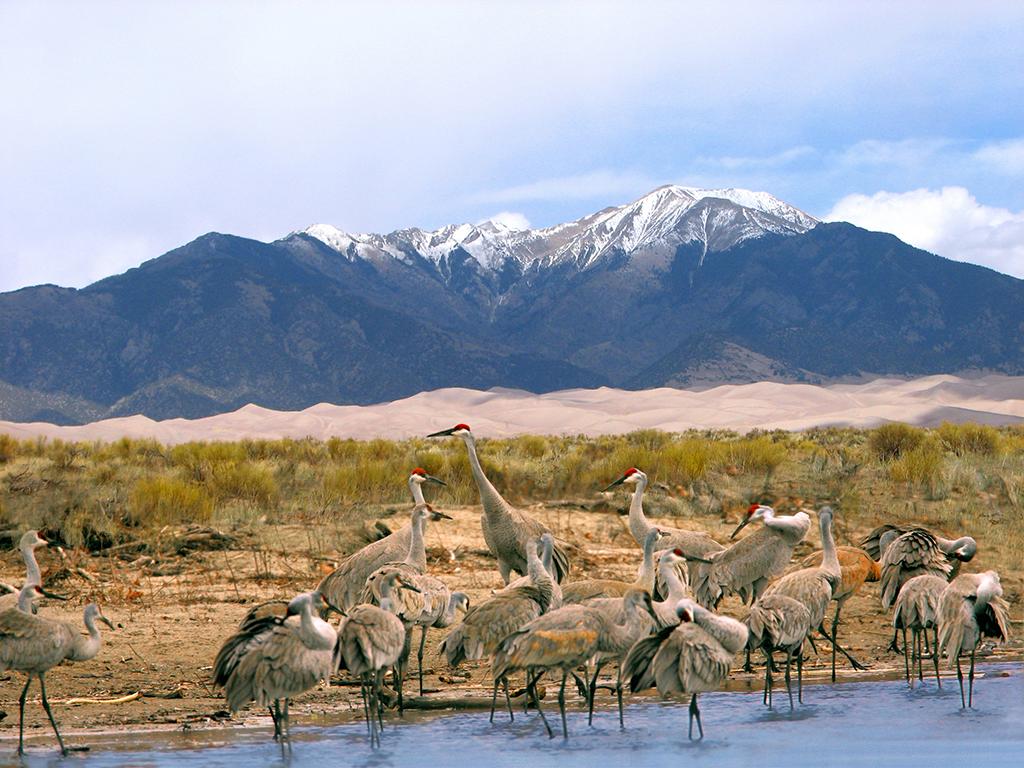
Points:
(34, 645)
(693, 657)
(485, 625)
(672, 573)
(779, 623)
(917, 552)
(568, 637)
(281, 660)
(747, 566)
(344, 586)
(589, 589)
(971, 607)
(29, 543)
(917, 609)
(506, 529)
(373, 638)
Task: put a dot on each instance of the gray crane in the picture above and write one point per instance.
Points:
(563, 640)
(959, 550)
(917, 609)
(690, 658)
(916, 552)
(546, 548)
(34, 645)
(289, 659)
(815, 587)
(29, 543)
(634, 611)
(971, 607)
(697, 546)
(588, 589)
(344, 586)
(506, 529)
(672, 572)
(748, 565)
(779, 623)
(372, 639)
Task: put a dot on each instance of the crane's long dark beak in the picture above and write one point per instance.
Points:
(620, 481)
(740, 527)
(442, 433)
(431, 478)
(410, 587)
(52, 595)
(106, 621)
(697, 559)
(331, 606)
(435, 515)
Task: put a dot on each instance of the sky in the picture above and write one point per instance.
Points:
(127, 129)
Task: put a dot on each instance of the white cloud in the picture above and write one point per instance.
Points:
(1003, 156)
(947, 221)
(776, 160)
(510, 219)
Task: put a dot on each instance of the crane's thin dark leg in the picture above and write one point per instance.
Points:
(591, 693)
(837, 647)
(561, 705)
(274, 718)
(378, 687)
(935, 656)
(926, 649)
(892, 643)
(419, 655)
(618, 696)
(789, 683)
(970, 680)
(366, 702)
(747, 666)
(919, 648)
(60, 741)
(766, 699)
(800, 674)
(814, 646)
(508, 700)
(835, 630)
(287, 724)
(536, 703)
(21, 718)
(494, 698)
(695, 715)
(906, 660)
(960, 679)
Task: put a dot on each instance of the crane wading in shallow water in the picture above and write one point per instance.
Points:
(971, 607)
(35, 645)
(690, 658)
(917, 609)
(506, 529)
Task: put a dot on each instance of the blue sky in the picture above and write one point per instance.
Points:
(127, 129)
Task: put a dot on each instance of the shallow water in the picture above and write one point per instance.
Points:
(852, 724)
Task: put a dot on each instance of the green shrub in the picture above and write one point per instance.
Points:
(921, 466)
(963, 439)
(162, 500)
(890, 441)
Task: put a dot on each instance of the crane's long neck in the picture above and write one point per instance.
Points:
(26, 597)
(385, 594)
(677, 589)
(792, 527)
(639, 525)
(311, 629)
(492, 501)
(988, 588)
(416, 488)
(830, 558)
(417, 556)
(645, 575)
(729, 632)
(32, 574)
(540, 577)
(86, 648)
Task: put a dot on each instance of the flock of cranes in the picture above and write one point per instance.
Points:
(659, 631)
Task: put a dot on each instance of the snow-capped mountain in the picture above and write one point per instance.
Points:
(668, 216)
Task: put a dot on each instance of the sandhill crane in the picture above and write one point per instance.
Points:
(814, 587)
(958, 551)
(344, 586)
(639, 618)
(372, 638)
(696, 545)
(779, 623)
(546, 549)
(747, 565)
(563, 640)
(506, 529)
(971, 607)
(588, 589)
(915, 553)
(857, 567)
(289, 659)
(917, 609)
(34, 645)
(30, 542)
(689, 658)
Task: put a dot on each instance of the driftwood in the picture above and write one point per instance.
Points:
(118, 700)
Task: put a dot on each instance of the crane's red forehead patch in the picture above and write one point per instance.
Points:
(677, 552)
(630, 471)
(753, 508)
(419, 471)
(462, 426)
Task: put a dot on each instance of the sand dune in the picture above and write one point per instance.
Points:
(502, 412)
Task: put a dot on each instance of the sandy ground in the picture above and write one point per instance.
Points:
(173, 613)
(926, 401)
